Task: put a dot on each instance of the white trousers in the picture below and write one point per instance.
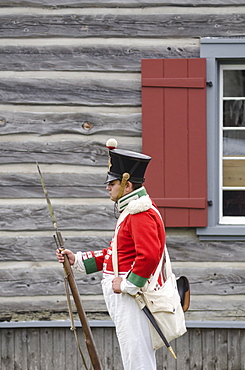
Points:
(132, 328)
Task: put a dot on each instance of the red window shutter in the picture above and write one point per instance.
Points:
(174, 134)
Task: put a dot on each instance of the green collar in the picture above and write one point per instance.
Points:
(126, 199)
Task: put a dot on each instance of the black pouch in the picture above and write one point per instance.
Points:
(184, 291)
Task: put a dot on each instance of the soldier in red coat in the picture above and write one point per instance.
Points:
(132, 257)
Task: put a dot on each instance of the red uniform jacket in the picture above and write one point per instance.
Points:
(140, 244)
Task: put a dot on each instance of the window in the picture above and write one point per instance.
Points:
(232, 144)
(193, 125)
(225, 138)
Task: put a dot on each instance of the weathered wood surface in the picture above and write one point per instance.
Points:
(28, 248)
(37, 348)
(209, 278)
(71, 217)
(215, 308)
(52, 304)
(42, 248)
(46, 279)
(81, 91)
(75, 186)
(47, 123)
(59, 185)
(122, 25)
(119, 4)
(30, 279)
(53, 307)
(75, 152)
(91, 58)
(187, 247)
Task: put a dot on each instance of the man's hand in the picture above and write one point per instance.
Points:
(70, 255)
(116, 285)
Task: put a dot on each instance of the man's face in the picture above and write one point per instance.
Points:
(113, 188)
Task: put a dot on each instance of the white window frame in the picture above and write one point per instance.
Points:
(218, 51)
(225, 220)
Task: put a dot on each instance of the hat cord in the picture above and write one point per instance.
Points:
(125, 178)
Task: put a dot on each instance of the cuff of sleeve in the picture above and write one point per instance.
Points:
(128, 287)
(78, 264)
(137, 280)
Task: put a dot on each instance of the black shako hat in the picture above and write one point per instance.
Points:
(125, 161)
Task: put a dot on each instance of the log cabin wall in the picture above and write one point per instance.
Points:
(70, 78)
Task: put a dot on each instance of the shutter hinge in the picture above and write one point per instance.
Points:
(209, 83)
(210, 203)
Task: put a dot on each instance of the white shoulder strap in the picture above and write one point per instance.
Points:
(121, 218)
(167, 265)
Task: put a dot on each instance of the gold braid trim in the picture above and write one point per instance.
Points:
(125, 178)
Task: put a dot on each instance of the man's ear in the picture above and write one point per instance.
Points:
(129, 187)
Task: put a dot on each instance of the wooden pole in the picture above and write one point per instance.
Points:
(89, 340)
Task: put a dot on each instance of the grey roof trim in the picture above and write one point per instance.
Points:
(108, 323)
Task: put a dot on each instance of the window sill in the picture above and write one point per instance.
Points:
(221, 232)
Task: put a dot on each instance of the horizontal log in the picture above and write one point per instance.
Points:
(83, 185)
(50, 304)
(211, 308)
(209, 278)
(43, 279)
(91, 58)
(100, 91)
(220, 308)
(28, 278)
(50, 308)
(187, 248)
(71, 217)
(88, 153)
(42, 248)
(118, 4)
(66, 152)
(38, 248)
(122, 25)
(46, 123)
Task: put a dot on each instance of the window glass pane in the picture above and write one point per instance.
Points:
(234, 83)
(234, 173)
(234, 143)
(233, 113)
(234, 203)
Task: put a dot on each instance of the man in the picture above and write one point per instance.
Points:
(132, 257)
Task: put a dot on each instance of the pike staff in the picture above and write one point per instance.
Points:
(72, 283)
